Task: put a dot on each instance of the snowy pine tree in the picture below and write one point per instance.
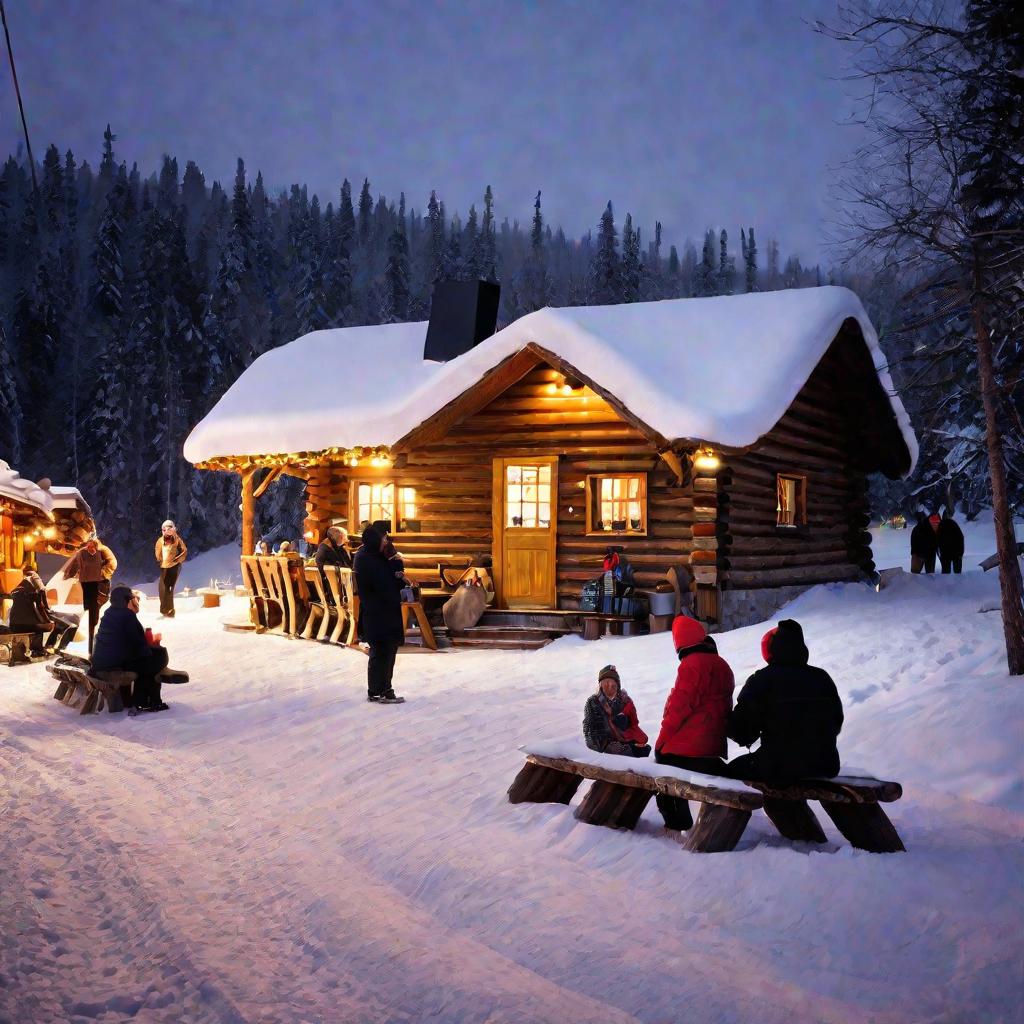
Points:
(605, 284)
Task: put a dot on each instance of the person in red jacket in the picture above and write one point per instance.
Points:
(610, 723)
(696, 713)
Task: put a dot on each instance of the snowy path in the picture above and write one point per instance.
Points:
(273, 849)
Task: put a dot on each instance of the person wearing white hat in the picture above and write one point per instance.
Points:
(170, 552)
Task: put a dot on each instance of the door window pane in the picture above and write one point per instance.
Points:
(528, 496)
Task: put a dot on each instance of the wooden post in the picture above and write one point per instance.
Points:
(248, 512)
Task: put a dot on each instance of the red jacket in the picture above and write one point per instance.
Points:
(698, 707)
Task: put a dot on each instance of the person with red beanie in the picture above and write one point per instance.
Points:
(693, 726)
(794, 710)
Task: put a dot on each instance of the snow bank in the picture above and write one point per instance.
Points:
(275, 849)
(672, 363)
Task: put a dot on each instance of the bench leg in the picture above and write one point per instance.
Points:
(718, 829)
(91, 703)
(540, 785)
(76, 696)
(866, 826)
(612, 805)
(675, 812)
(794, 820)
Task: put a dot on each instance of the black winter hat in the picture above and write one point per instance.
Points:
(788, 646)
(609, 672)
(371, 538)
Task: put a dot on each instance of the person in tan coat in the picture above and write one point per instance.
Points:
(92, 565)
(170, 552)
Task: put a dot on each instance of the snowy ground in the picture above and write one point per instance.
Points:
(274, 849)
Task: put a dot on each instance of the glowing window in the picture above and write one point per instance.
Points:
(791, 500)
(617, 504)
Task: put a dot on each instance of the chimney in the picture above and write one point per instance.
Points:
(462, 314)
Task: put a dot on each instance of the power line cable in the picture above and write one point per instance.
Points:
(17, 92)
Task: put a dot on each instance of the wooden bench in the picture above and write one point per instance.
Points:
(79, 686)
(15, 648)
(619, 795)
(598, 624)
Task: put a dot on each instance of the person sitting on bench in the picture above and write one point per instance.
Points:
(31, 613)
(121, 644)
(610, 723)
(793, 708)
(693, 726)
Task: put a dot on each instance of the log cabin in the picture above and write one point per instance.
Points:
(731, 435)
(37, 518)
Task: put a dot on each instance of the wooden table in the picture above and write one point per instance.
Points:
(416, 607)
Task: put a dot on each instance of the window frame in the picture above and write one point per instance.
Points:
(398, 519)
(592, 496)
(800, 511)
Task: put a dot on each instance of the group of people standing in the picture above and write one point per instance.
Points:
(936, 535)
(792, 707)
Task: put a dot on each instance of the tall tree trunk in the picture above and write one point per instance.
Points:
(1012, 591)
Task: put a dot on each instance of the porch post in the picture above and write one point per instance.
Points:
(248, 512)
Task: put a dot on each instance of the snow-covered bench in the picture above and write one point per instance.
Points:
(623, 786)
(79, 686)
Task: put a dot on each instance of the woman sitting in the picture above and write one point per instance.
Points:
(696, 714)
(610, 724)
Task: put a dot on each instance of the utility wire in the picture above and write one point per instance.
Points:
(17, 91)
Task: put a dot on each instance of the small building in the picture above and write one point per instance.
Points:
(36, 519)
(731, 435)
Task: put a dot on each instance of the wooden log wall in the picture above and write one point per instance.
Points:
(452, 478)
(816, 438)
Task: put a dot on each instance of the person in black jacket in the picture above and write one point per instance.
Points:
(31, 613)
(950, 540)
(379, 582)
(793, 708)
(121, 644)
(333, 549)
(923, 544)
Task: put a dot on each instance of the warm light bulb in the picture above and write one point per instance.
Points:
(566, 389)
(50, 532)
(308, 535)
(353, 462)
(706, 459)
(553, 388)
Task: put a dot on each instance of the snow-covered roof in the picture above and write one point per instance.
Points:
(27, 492)
(720, 369)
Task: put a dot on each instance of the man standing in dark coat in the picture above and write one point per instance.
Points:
(379, 586)
(951, 544)
(793, 708)
(923, 545)
(121, 644)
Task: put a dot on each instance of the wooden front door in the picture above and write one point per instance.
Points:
(525, 520)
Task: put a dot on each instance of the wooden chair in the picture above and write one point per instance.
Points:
(321, 611)
(416, 607)
(270, 590)
(260, 602)
(343, 591)
(289, 584)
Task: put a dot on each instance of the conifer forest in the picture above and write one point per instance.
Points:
(130, 303)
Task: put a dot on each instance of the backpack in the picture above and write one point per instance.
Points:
(618, 565)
